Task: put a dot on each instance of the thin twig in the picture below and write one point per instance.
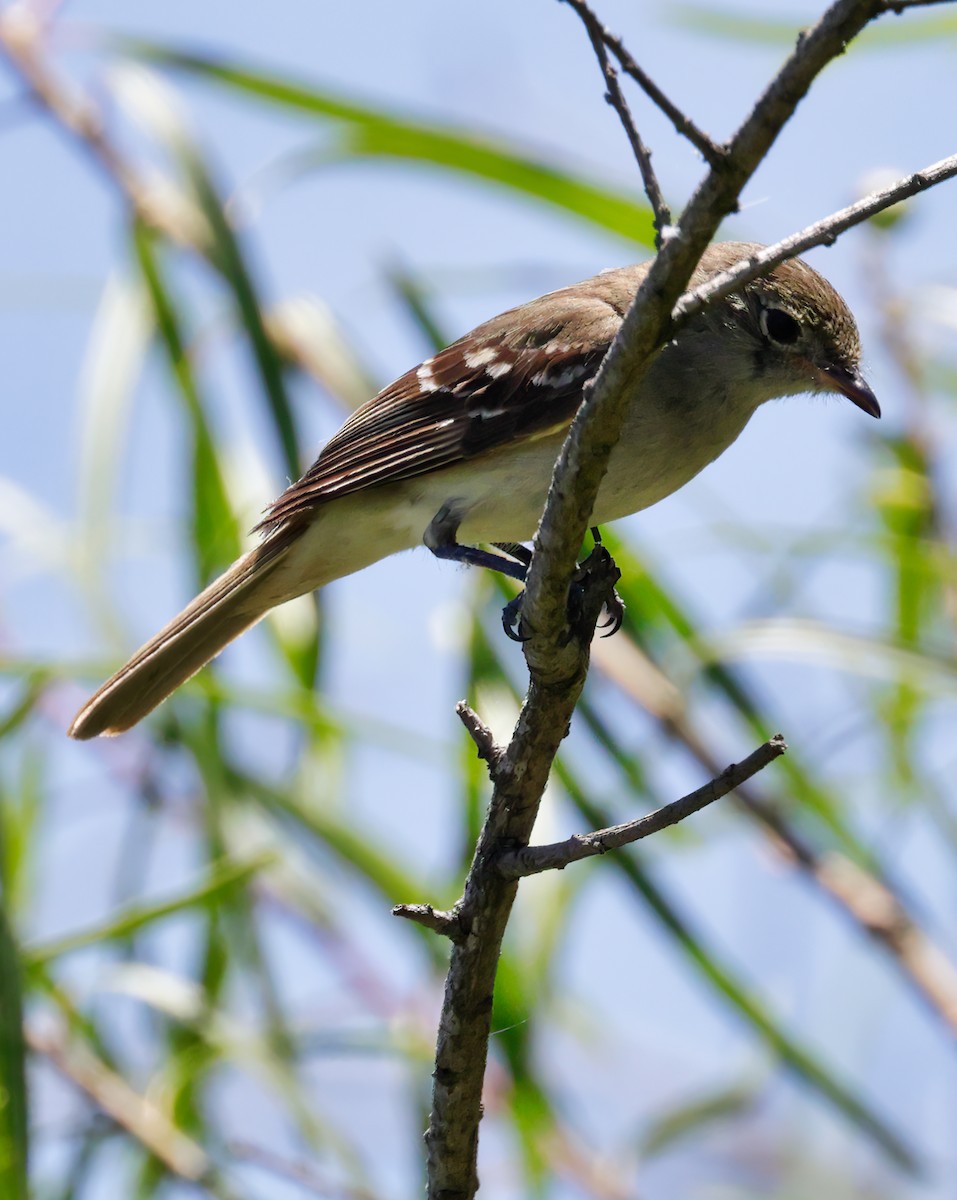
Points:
(532, 860)
(683, 124)
(520, 779)
(595, 429)
(299, 1172)
(488, 749)
(615, 97)
(820, 233)
(448, 924)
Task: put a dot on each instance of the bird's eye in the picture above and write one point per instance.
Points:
(779, 326)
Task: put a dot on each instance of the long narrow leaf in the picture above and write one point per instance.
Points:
(236, 271)
(796, 1057)
(781, 31)
(367, 132)
(13, 1083)
(724, 982)
(222, 878)
(215, 529)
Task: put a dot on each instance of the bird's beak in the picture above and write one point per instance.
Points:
(849, 383)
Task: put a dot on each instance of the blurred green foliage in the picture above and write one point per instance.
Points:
(268, 842)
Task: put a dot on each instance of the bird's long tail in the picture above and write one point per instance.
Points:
(233, 602)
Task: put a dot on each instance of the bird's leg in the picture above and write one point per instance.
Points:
(440, 539)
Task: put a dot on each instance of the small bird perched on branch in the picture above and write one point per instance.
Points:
(459, 451)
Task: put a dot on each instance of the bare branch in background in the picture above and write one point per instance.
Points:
(139, 1116)
(296, 1171)
(156, 202)
(866, 900)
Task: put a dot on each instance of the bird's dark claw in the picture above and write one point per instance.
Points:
(599, 567)
(512, 619)
(615, 608)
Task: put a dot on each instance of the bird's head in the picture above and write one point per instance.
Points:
(795, 331)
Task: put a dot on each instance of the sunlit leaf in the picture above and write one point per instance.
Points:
(215, 528)
(778, 31)
(306, 333)
(821, 645)
(114, 360)
(367, 132)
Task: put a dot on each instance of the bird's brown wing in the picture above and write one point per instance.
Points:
(508, 381)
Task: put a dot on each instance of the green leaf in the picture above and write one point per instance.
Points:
(34, 683)
(723, 980)
(230, 256)
(222, 878)
(368, 132)
(20, 828)
(418, 303)
(781, 31)
(216, 538)
(691, 1118)
(13, 1083)
(738, 27)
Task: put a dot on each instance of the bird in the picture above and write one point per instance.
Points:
(458, 452)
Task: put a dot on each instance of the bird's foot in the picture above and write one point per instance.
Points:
(594, 580)
(593, 585)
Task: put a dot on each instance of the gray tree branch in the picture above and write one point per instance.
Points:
(557, 661)
(598, 36)
(821, 233)
(683, 124)
(532, 860)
